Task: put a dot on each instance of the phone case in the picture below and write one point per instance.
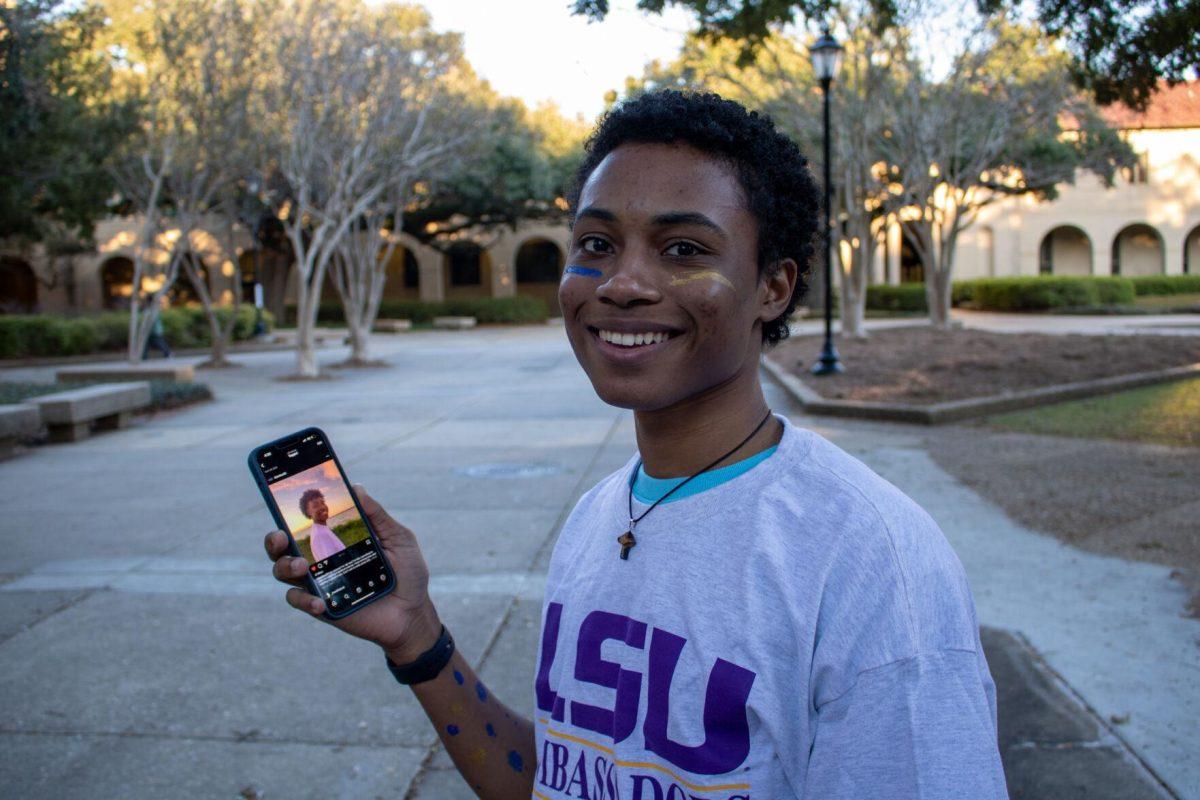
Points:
(293, 549)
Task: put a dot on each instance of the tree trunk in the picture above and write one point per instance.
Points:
(360, 345)
(937, 295)
(853, 311)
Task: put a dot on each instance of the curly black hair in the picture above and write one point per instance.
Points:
(780, 191)
(311, 494)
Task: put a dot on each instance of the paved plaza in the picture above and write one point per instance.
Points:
(145, 651)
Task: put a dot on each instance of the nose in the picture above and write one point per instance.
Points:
(631, 281)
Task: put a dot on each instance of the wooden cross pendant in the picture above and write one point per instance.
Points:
(627, 542)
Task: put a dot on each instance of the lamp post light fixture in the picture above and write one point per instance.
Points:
(826, 55)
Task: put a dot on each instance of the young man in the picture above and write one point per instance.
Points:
(743, 610)
(321, 539)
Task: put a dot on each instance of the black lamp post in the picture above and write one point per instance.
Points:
(826, 56)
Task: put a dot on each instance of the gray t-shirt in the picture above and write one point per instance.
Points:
(803, 630)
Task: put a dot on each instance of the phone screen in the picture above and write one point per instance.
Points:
(315, 501)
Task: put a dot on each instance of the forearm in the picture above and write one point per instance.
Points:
(492, 746)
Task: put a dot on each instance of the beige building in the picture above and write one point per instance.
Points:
(1147, 223)
(527, 261)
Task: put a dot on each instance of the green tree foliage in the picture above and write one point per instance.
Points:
(58, 122)
(517, 170)
(1121, 48)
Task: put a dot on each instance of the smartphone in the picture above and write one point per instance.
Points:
(310, 498)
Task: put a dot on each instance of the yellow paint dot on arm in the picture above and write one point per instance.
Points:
(478, 755)
(456, 708)
(708, 274)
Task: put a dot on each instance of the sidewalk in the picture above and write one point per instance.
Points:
(145, 651)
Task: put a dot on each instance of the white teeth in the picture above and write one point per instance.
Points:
(633, 339)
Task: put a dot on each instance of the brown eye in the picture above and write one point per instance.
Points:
(583, 243)
(684, 250)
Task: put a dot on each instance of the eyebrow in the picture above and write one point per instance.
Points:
(661, 220)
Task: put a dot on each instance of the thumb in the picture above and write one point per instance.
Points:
(370, 506)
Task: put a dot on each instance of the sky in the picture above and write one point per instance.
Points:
(324, 477)
(536, 50)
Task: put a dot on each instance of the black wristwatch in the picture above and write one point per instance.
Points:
(428, 665)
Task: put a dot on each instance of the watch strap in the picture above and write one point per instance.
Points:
(428, 665)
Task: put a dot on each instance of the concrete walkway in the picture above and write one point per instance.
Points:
(145, 652)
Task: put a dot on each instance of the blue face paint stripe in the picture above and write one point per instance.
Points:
(586, 272)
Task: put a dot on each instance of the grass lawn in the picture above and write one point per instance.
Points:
(1168, 413)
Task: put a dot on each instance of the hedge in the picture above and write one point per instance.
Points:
(902, 297)
(26, 335)
(518, 309)
(1035, 293)
(164, 394)
(1166, 284)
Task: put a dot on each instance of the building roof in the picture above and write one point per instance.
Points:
(1170, 107)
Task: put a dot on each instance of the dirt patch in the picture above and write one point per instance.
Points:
(1136, 501)
(923, 365)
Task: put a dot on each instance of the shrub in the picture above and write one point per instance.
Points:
(903, 297)
(1040, 292)
(31, 335)
(1165, 284)
(487, 310)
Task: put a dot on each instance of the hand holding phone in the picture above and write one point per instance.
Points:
(404, 623)
(347, 560)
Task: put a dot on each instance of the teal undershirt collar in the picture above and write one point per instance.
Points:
(648, 490)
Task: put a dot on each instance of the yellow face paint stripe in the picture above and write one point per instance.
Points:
(708, 274)
(646, 764)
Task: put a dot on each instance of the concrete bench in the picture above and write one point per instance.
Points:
(17, 422)
(165, 370)
(393, 325)
(454, 323)
(69, 415)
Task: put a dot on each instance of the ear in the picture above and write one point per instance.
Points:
(776, 290)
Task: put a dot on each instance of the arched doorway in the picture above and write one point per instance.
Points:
(1138, 250)
(468, 271)
(18, 286)
(403, 275)
(911, 268)
(1191, 252)
(1065, 250)
(116, 282)
(539, 270)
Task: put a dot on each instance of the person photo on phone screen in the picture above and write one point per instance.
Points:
(744, 610)
(321, 539)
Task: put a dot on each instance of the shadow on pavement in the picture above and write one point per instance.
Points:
(1052, 746)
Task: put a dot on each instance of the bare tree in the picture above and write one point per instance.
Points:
(193, 74)
(343, 92)
(858, 96)
(992, 128)
(424, 123)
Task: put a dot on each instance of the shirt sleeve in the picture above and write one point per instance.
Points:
(923, 728)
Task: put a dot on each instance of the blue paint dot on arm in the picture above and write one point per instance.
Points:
(452, 730)
(480, 691)
(515, 761)
(490, 730)
(458, 678)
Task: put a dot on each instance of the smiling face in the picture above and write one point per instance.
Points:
(667, 301)
(318, 510)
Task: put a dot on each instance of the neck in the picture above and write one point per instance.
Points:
(682, 439)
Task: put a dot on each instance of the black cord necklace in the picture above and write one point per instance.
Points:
(627, 539)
